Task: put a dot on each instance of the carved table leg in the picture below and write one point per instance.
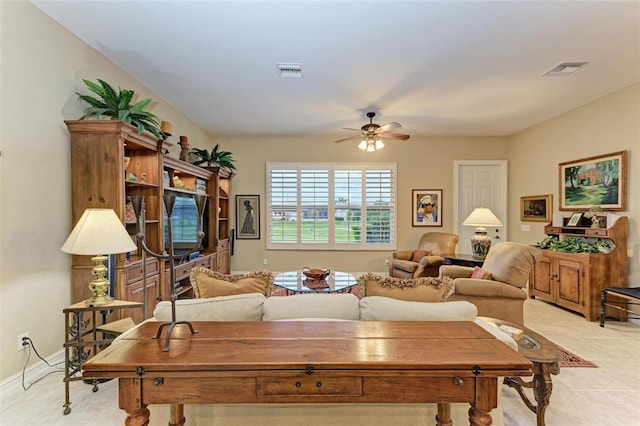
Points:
(542, 387)
(478, 417)
(443, 418)
(177, 415)
(130, 399)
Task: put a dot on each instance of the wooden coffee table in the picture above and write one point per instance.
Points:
(545, 357)
(310, 362)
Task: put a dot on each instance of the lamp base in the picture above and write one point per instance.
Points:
(100, 285)
(480, 243)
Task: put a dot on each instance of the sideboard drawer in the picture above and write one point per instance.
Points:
(134, 273)
(309, 386)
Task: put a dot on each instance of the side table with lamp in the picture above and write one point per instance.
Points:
(99, 232)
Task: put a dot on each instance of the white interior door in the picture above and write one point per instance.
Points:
(481, 183)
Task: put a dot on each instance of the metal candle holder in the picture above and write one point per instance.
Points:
(169, 200)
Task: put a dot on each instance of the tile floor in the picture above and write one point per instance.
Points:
(603, 396)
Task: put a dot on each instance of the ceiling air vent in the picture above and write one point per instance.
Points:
(289, 70)
(565, 68)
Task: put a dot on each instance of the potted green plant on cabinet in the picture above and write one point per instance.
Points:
(117, 105)
(218, 158)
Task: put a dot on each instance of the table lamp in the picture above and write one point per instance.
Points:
(99, 232)
(480, 242)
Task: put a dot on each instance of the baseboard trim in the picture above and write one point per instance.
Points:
(13, 384)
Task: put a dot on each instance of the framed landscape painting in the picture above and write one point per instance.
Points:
(594, 181)
(536, 208)
(426, 207)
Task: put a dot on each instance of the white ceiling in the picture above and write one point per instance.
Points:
(436, 67)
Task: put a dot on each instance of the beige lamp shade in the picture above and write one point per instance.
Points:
(482, 216)
(99, 231)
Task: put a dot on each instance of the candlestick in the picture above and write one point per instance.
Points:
(165, 127)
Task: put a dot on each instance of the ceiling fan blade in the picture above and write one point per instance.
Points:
(387, 127)
(349, 128)
(352, 138)
(399, 136)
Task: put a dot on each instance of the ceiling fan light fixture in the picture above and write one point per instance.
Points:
(363, 145)
(370, 147)
(379, 144)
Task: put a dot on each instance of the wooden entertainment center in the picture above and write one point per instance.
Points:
(101, 179)
(575, 280)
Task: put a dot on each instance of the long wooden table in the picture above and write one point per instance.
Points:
(310, 362)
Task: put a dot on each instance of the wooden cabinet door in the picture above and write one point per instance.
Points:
(570, 285)
(135, 293)
(542, 280)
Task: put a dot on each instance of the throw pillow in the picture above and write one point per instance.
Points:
(481, 274)
(419, 254)
(208, 283)
(424, 289)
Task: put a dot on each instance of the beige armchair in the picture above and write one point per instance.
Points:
(501, 294)
(436, 243)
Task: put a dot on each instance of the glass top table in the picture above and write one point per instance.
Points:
(295, 282)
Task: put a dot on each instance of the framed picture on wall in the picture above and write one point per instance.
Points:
(536, 208)
(248, 217)
(594, 181)
(426, 207)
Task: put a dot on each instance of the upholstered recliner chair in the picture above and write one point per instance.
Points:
(497, 289)
(426, 260)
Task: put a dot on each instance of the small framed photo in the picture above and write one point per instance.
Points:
(536, 208)
(426, 207)
(575, 219)
(248, 217)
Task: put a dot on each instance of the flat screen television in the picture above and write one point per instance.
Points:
(184, 225)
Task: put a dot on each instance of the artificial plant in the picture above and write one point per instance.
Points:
(223, 159)
(118, 105)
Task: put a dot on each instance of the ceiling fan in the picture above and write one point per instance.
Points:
(371, 134)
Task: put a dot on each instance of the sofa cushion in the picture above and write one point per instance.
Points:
(208, 283)
(237, 307)
(301, 306)
(378, 308)
(423, 289)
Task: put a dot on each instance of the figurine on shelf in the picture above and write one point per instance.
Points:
(177, 183)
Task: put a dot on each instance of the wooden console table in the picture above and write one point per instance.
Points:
(310, 362)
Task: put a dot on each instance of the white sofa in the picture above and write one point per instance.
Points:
(256, 307)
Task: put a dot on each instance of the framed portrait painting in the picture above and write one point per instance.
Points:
(594, 181)
(536, 208)
(248, 217)
(426, 207)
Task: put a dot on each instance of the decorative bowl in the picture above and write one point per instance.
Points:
(316, 274)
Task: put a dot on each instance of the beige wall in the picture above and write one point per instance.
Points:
(423, 163)
(41, 68)
(603, 126)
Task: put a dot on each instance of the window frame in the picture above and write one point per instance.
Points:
(331, 168)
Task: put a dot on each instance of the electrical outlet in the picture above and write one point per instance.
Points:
(21, 343)
(264, 261)
(386, 262)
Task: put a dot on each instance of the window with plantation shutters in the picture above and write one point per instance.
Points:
(331, 206)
